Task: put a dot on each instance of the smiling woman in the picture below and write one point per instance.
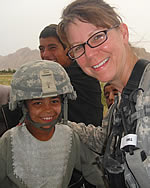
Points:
(110, 58)
(102, 60)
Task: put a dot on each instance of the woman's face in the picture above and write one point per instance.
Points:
(44, 110)
(105, 62)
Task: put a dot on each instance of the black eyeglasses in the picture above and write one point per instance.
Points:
(95, 40)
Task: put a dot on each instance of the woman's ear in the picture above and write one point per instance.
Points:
(124, 31)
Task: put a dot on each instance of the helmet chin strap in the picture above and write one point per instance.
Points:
(65, 109)
(42, 125)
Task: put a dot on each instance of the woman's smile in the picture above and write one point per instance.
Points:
(101, 64)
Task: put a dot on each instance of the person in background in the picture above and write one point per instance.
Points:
(99, 41)
(8, 118)
(42, 151)
(110, 92)
(87, 108)
(4, 97)
(4, 94)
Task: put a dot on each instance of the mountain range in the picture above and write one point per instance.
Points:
(23, 55)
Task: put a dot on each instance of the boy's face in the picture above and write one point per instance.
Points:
(44, 110)
(51, 49)
(109, 93)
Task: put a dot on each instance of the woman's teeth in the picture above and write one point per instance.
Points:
(100, 64)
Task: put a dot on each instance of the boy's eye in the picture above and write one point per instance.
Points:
(41, 49)
(55, 101)
(51, 47)
(115, 93)
(107, 96)
(37, 103)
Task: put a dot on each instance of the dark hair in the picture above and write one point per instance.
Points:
(107, 84)
(51, 31)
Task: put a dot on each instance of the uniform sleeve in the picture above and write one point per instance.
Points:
(86, 162)
(93, 137)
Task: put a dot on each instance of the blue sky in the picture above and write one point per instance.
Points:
(22, 20)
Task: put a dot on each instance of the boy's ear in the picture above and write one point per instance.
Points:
(25, 106)
(66, 50)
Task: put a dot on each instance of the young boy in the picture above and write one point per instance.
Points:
(110, 92)
(41, 152)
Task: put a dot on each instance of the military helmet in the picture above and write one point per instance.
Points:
(39, 79)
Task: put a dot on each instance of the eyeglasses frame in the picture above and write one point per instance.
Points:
(87, 42)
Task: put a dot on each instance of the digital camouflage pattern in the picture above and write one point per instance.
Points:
(139, 162)
(94, 137)
(39, 79)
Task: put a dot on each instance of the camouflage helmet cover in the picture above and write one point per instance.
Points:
(39, 79)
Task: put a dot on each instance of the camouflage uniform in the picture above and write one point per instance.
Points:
(139, 162)
(28, 162)
(94, 137)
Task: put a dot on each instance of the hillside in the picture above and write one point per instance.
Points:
(23, 55)
(141, 53)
